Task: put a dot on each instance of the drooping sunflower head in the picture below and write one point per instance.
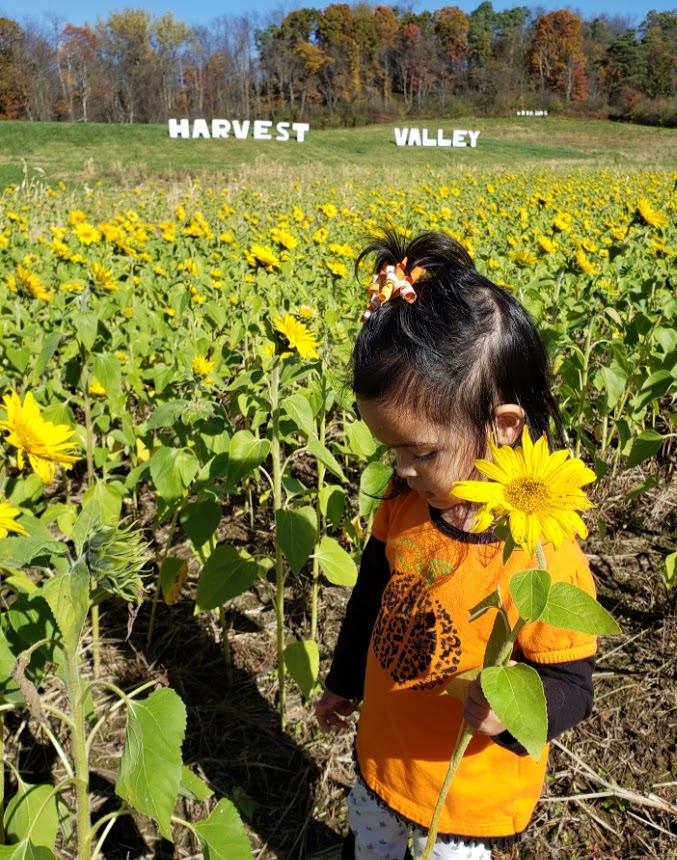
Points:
(535, 492)
(116, 556)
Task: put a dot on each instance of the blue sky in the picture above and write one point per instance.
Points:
(79, 12)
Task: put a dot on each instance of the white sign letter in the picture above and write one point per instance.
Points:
(261, 129)
(179, 128)
(220, 128)
(200, 128)
(415, 137)
(441, 139)
(428, 141)
(300, 128)
(473, 135)
(401, 135)
(241, 129)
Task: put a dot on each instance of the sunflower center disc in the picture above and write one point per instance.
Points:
(528, 495)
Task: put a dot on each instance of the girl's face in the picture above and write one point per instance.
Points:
(428, 457)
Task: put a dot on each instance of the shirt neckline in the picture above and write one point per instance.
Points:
(448, 530)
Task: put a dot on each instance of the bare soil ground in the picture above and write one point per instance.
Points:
(611, 791)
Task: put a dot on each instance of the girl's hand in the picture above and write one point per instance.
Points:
(330, 711)
(477, 712)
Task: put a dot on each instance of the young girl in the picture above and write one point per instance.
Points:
(444, 358)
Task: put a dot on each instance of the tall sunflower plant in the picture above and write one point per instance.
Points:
(531, 497)
(52, 583)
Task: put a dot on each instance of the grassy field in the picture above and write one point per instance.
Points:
(130, 153)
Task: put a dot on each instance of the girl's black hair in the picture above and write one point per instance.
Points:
(462, 348)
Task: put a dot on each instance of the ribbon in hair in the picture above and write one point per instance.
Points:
(390, 282)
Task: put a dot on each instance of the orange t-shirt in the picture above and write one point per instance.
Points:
(422, 637)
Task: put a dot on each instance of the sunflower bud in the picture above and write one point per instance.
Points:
(115, 555)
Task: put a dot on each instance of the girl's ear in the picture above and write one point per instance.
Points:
(508, 423)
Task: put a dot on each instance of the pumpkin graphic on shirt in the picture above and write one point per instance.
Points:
(414, 637)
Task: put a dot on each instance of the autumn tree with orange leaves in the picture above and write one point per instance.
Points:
(557, 60)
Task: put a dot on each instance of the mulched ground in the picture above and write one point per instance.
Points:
(612, 786)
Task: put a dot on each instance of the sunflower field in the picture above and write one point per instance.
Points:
(181, 459)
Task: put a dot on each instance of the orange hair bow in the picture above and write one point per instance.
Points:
(390, 282)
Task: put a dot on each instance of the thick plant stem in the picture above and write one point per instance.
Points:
(80, 761)
(279, 559)
(465, 733)
(91, 476)
(585, 371)
(321, 472)
(227, 655)
(2, 778)
(540, 557)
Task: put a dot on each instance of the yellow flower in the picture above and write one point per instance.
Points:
(142, 452)
(59, 248)
(8, 515)
(524, 258)
(32, 283)
(562, 223)
(546, 244)
(264, 254)
(538, 493)
(329, 210)
(77, 216)
(87, 233)
(96, 389)
(337, 268)
(297, 335)
(306, 312)
(202, 366)
(104, 277)
(284, 238)
(584, 264)
(45, 444)
(650, 216)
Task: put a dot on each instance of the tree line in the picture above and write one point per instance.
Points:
(341, 65)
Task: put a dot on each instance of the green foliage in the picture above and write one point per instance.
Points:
(151, 767)
(516, 694)
(302, 659)
(42, 631)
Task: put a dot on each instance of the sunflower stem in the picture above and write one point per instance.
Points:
(276, 452)
(2, 778)
(465, 734)
(540, 557)
(585, 370)
(321, 472)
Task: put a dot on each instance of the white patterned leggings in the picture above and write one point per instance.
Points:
(380, 834)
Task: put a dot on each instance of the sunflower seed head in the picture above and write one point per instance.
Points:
(116, 555)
